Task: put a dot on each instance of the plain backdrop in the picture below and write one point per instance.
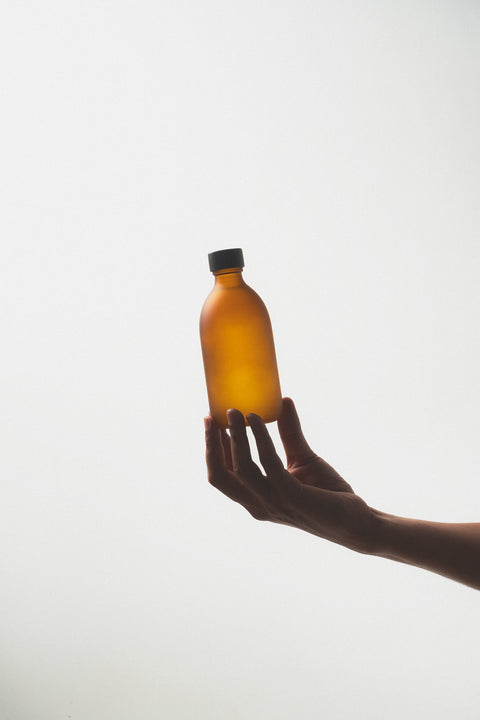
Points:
(338, 144)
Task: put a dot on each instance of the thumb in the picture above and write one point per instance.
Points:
(297, 449)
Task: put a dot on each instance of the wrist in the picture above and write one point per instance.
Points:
(382, 533)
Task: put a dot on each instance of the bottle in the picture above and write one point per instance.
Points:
(237, 344)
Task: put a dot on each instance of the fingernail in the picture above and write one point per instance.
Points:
(207, 423)
(230, 415)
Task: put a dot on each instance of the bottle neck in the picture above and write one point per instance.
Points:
(229, 277)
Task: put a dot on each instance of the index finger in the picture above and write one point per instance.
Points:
(297, 450)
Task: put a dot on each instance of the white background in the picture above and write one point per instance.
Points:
(338, 144)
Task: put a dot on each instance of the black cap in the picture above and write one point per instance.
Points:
(222, 259)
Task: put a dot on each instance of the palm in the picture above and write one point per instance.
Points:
(317, 473)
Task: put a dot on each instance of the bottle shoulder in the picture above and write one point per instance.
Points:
(235, 301)
(234, 295)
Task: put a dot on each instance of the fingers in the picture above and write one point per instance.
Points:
(219, 475)
(296, 447)
(247, 471)
(264, 497)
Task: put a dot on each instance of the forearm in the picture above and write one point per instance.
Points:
(449, 549)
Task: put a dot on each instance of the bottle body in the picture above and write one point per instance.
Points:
(238, 350)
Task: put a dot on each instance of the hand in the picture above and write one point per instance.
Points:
(308, 494)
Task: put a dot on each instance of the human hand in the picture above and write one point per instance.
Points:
(308, 494)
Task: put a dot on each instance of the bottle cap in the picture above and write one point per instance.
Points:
(222, 259)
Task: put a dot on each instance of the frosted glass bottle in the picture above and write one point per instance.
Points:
(237, 344)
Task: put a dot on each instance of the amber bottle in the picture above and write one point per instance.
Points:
(237, 344)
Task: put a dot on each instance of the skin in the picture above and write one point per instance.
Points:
(310, 495)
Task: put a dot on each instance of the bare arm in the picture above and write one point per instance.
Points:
(449, 549)
(310, 495)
